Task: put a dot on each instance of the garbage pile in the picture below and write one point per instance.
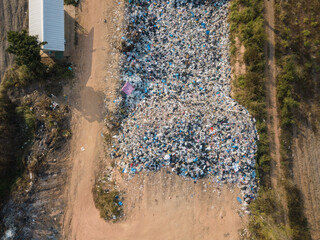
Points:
(176, 59)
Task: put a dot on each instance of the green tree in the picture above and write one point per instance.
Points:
(27, 50)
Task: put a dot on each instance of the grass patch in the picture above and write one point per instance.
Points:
(298, 55)
(108, 200)
(71, 2)
(268, 217)
(246, 23)
(298, 59)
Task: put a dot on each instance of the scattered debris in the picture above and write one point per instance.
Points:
(180, 114)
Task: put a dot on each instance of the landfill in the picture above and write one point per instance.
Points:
(180, 114)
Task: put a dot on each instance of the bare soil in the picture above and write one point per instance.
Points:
(157, 205)
(239, 65)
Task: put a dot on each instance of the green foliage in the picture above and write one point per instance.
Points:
(24, 76)
(107, 201)
(246, 21)
(297, 88)
(287, 101)
(71, 2)
(18, 120)
(306, 33)
(28, 116)
(60, 70)
(297, 52)
(267, 217)
(27, 50)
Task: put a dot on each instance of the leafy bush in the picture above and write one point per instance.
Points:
(71, 2)
(246, 21)
(267, 218)
(20, 111)
(107, 200)
(27, 51)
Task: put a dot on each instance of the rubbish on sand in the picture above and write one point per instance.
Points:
(180, 114)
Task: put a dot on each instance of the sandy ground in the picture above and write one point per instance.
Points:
(158, 205)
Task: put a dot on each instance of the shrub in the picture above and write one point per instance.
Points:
(27, 50)
(107, 199)
(71, 2)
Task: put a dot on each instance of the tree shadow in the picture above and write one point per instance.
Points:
(91, 113)
(83, 56)
(86, 49)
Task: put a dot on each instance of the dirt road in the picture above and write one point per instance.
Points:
(91, 59)
(157, 206)
(271, 93)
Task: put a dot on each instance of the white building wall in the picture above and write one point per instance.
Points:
(35, 18)
(53, 24)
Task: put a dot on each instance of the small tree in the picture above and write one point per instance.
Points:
(27, 50)
(71, 2)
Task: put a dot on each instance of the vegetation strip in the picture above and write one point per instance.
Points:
(247, 24)
(298, 59)
(28, 111)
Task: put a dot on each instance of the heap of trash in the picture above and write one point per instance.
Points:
(176, 72)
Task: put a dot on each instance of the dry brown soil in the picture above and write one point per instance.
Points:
(239, 67)
(157, 206)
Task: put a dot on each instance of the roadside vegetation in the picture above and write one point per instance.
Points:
(71, 2)
(247, 25)
(107, 198)
(29, 110)
(298, 59)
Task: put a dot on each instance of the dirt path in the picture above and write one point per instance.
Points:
(91, 58)
(157, 205)
(271, 93)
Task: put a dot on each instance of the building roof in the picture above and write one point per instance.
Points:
(46, 20)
